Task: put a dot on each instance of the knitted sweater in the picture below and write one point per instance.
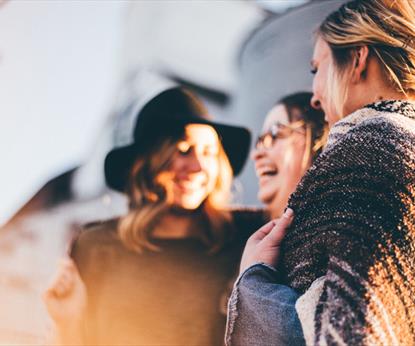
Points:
(355, 227)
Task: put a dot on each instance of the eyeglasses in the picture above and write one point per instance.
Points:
(277, 131)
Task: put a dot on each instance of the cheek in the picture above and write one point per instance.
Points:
(176, 163)
(291, 159)
(212, 172)
(318, 86)
(280, 153)
(298, 155)
(276, 153)
(212, 168)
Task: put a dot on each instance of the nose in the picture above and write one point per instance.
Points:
(315, 102)
(257, 153)
(193, 163)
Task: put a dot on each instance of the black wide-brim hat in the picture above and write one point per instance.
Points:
(166, 115)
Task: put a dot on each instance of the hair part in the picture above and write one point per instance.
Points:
(387, 27)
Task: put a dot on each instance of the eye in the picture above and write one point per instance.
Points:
(268, 140)
(210, 151)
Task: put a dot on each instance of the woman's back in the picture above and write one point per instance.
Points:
(355, 225)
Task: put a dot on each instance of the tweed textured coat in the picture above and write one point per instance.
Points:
(354, 230)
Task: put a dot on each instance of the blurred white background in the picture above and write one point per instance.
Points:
(63, 62)
(58, 76)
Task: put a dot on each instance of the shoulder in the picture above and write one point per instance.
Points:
(376, 136)
(381, 124)
(389, 124)
(380, 141)
(94, 239)
(98, 231)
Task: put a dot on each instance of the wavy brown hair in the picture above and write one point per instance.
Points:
(149, 201)
(386, 27)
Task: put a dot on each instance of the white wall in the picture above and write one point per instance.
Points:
(57, 81)
(198, 41)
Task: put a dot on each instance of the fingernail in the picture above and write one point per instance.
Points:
(288, 213)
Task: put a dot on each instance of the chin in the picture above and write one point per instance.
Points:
(266, 197)
(189, 203)
(190, 207)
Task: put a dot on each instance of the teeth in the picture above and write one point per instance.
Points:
(191, 185)
(267, 171)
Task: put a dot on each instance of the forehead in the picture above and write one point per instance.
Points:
(201, 133)
(321, 51)
(277, 114)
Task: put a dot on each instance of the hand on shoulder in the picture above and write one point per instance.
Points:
(264, 245)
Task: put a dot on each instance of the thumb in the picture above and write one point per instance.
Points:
(263, 231)
(279, 230)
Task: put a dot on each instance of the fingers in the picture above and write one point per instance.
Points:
(263, 231)
(67, 262)
(263, 245)
(64, 281)
(60, 287)
(276, 235)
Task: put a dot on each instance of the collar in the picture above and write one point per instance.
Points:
(404, 108)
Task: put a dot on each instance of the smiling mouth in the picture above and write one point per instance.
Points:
(190, 187)
(267, 172)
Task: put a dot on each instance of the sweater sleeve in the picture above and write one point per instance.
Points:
(355, 218)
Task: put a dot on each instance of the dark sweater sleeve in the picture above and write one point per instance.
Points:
(353, 221)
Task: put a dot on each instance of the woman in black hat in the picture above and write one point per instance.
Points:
(158, 274)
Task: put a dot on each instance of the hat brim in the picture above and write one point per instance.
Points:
(235, 141)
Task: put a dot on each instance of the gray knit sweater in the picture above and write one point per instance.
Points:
(355, 227)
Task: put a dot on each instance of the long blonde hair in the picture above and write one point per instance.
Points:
(149, 200)
(387, 27)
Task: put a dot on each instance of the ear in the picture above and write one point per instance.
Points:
(360, 64)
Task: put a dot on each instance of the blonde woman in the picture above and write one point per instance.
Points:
(350, 250)
(158, 274)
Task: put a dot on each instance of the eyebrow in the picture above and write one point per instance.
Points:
(195, 143)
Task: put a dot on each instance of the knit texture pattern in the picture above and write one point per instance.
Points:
(355, 225)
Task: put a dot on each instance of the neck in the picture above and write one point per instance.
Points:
(376, 97)
(277, 205)
(177, 225)
(392, 96)
(374, 87)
